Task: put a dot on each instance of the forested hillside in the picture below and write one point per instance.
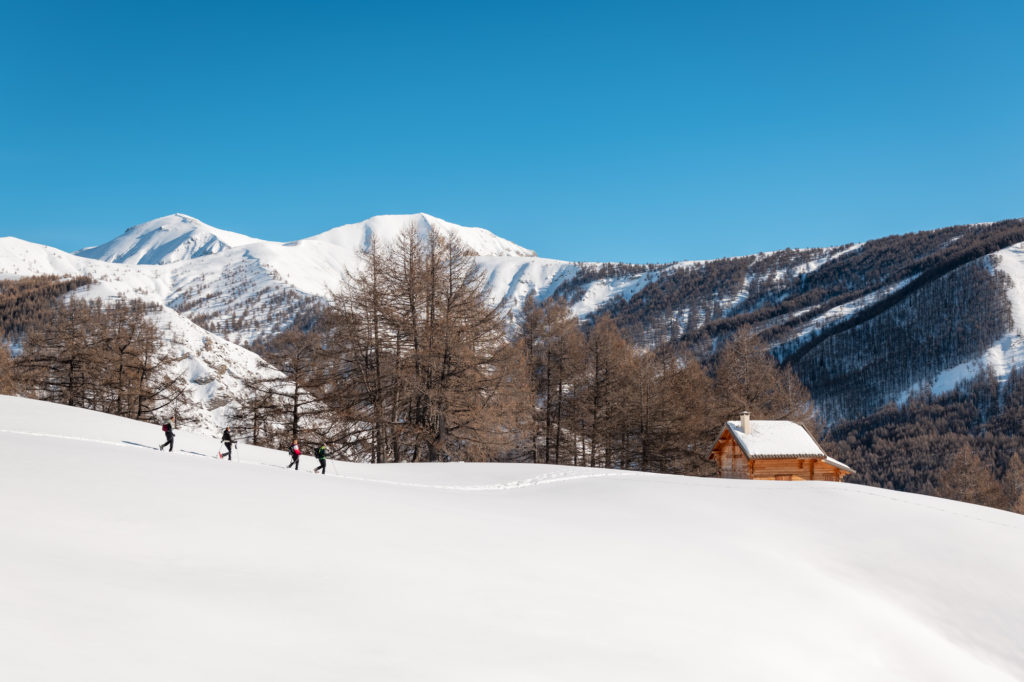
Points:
(963, 445)
(956, 317)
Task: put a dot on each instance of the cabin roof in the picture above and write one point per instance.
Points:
(770, 439)
(839, 465)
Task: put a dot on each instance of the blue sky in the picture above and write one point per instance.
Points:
(587, 131)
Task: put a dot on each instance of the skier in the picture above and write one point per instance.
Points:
(321, 454)
(169, 433)
(295, 455)
(228, 442)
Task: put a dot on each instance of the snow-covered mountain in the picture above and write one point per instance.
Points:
(386, 228)
(170, 239)
(819, 308)
(218, 289)
(249, 287)
(134, 564)
(213, 367)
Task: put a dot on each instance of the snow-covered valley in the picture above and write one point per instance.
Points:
(121, 562)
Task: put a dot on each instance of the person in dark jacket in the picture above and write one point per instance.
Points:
(228, 442)
(321, 454)
(169, 433)
(295, 455)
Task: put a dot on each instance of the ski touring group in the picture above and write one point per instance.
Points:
(230, 445)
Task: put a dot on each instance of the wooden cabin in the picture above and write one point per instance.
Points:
(773, 450)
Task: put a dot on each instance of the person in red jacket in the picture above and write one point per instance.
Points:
(169, 434)
(295, 455)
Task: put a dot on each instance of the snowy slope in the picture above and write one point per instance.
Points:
(246, 288)
(253, 287)
(170, 239)
(124, 563)
(1007, 353)
(213, 367)
(215, 274)
(386, 228)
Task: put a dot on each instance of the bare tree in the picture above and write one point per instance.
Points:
(291, 395)
(1013, 483)
(967, 479)
(556, 350)
(748, 378)
(417, 355)
(8, 385)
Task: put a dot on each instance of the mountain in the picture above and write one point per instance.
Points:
(213, 367)
(121, 557)
(862, 324)
(386, 228)
(217, 289)
(170, 239)
(246, 288)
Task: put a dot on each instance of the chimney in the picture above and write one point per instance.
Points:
(745, 422)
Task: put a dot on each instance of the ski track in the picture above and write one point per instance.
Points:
(547, 479)
(534, 481)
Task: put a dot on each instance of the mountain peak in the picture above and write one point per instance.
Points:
(168, 239)
(386, 228)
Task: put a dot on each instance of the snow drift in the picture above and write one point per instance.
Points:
(121, 562)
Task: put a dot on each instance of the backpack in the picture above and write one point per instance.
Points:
(167, 427)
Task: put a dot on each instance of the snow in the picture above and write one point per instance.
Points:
(257, 286)
(214, 368)
(772, 438)
(1011, 261)
(121, 562)
(600, 292)
(839, 465)
(844, 311)
(169, 239)
(386, 228)
(216, 273)
(1008, 351)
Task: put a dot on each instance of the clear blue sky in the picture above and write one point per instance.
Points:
(587, 131)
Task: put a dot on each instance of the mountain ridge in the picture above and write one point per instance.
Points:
(168, 239)
(796, 299)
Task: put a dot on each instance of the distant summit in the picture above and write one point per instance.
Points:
(179, 237)
(170, 239)
(386, 228)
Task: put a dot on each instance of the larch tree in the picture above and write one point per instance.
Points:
(8, 385)
(966, 478)
(604, 391)
(294, 392)
(557, 354)
(418, 355)
(748, 378)
(1013, 483)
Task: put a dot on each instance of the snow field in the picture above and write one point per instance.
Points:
(120, 562)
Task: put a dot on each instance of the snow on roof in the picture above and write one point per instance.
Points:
(777, 440)
(839, 465)
(769, 439)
